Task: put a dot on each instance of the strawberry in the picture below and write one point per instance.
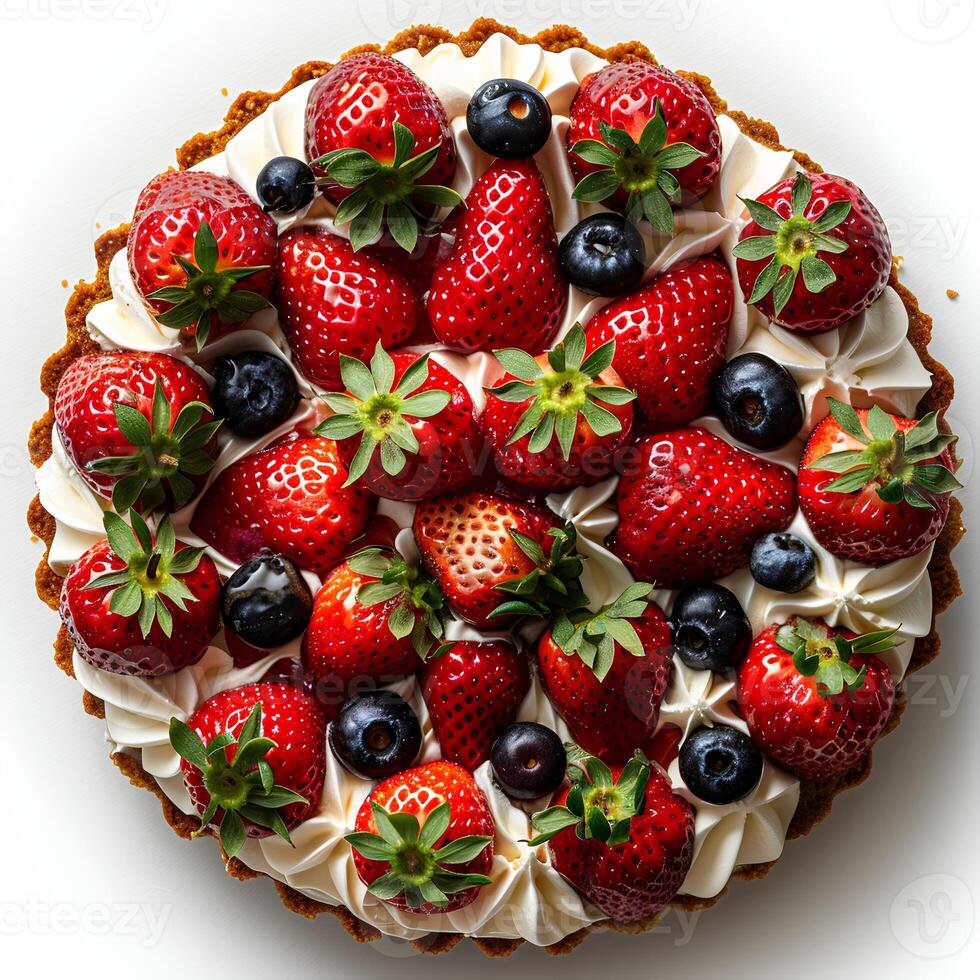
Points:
(200, 251)
(253, 760)
(789, 233)
(414, 420)
(497, 558)
(373, 619)
(290, 498)
(561, 419)
(439, 866)
(364, 120)
(137, 426)
(620, 836)
(473, 691)
(333, 301)
(815, 699)
(500, 285)
(875, 487)
(646, 138)
(692, 506)
(671, 337)
(606, 674)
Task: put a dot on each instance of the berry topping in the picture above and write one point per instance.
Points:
(720, 765)
(286, 185)
(709, 628)
(266, 602)
(783, 562)
(508, 118)
(603, 254)
(376, 734)
(253, 392)
(528, 761)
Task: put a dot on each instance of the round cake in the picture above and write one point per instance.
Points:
(495, 489)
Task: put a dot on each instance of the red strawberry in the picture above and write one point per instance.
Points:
(825, 228)
(253, 760)
(140, 604)
(500, 286)
(671, 336)
(876, 487)
(438, 867)
(333, 301)
(138, 427)
(199, 252)
(645, 137)
(289, 498)
(606, 674)
(621, 837)
(692, 506)
(815, 699)
(414, 420)
(473, 691)
(558, 420)
(496, 558)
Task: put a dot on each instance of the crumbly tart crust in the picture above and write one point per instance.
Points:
(816, 797)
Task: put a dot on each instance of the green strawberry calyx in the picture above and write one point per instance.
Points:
(419, 607)
(793, 245)
(208, 290)
(826, 656)
(895, 462)
(158, 472)
(379, 411)
(642, 168)
(417, 869)
(244, 788)
(152, 572)
(597, 806)
(386, 194)
(560, 395)
(593, 636)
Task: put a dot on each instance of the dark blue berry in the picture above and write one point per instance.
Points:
(253, 392)
(709, 628)
(508, 119)
(758, 401)
(603, 255)
(266, 602)
(720, 765)
(783, 562)
(376, 734)
(286, 185)
(528, 761)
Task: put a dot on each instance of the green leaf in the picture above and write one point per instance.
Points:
(765, 282)
(373, 593)
(599, 360)
(403, 226)
(404, 143)
(654, 133)
(362, 459)
(339, 427)
(352, 205)
(817, 275)
(596, 186)
(401, 621)
(519, 364)
(462, 850)
(832, 217)
(436, 824)
(351, 167)
(550, 822)
(880, 424)
(386, 887)
(425, 404)
(924, 431)
(357, 377)
(616, 138)
(851, 482)
(514, 391)
(541, 437)
(936, 479)
(133, 424)
(840, 462)
(205, 248)
(847, 419)
(232, 833)
(187, 743)
(657, 210)
(443, 197)
(801, 194)
(120, 536)
(827, 243)
(414, 376)
(610, 394)
(365, 227)
(529, 546)
(763, 215)
(574, 347)
(592, 151)
(126, 600)
(755, 247)
(565, 427)
(382, 369)
(601, 421)
(678, 155)
(528, 422)
(783, 290)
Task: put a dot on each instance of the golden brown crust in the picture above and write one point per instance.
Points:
(816, 797)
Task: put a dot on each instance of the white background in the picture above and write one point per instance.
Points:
(95, 96)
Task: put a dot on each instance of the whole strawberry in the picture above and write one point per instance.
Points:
(437, 855)
(621, 837)
(815, 699)
(691, 506)
(200, 251)
(561, 419)
(815, 254)
(416, 434)
(501, 285)
(671, 336)
(333, 301)
(473, 691)
(138, 427)
(290, 498)
(875, 487)
(253, 760)
(606, 674)
(141, 604)
(644, 137)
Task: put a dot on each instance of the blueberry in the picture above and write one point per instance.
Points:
(528, 761)
(508, 119)
(286, 185)
(720, 765)
(253, 392)
(783, 563)
(758, 401)
(709, 628)
(603, 255)
(266, 602)
(376, 734)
